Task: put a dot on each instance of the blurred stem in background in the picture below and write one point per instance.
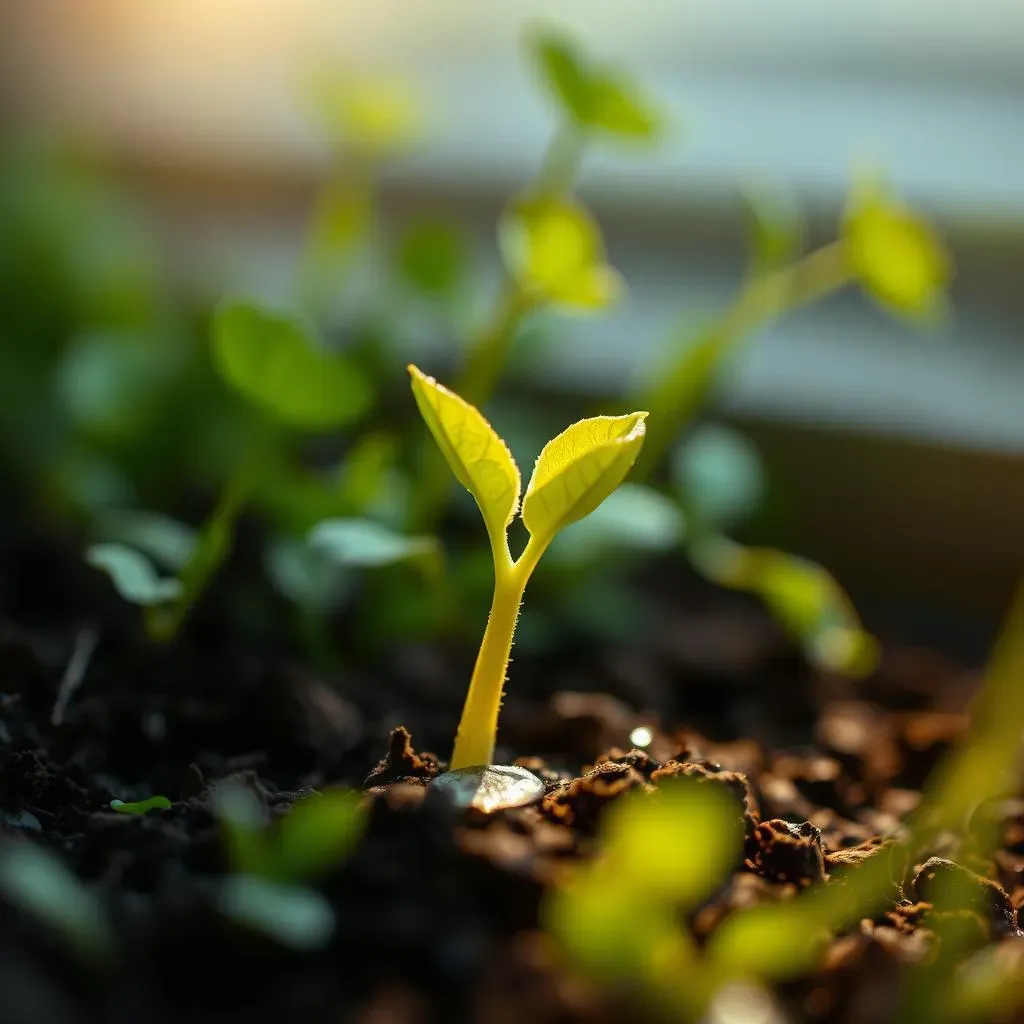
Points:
(678, 390)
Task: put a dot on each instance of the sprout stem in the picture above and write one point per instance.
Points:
(478, 727)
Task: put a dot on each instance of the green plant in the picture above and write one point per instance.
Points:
(574, 473)
(274, 866)
(893, 253)
(273, 361)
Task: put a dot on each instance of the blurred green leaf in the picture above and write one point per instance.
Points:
(40, 884)
(554, 250)
(269, 357)
(718, 474)
(107, 380)
(341, 220)
(633, 517)
(562, 72)
(165, 540)
(898, 257)
(363, 474)
(374, 115)
(617, 107)
(676, 843)
(592, 97)
(431, 257)
(318, 834)
(662, 853)
(363, 543)
(801, 594)
(133, 575)
(293, 916)
(154, 803)
(244, 822)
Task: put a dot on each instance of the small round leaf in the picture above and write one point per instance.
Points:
(269, 357)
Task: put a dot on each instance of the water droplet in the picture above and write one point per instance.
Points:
(490, 787)
(641, 736)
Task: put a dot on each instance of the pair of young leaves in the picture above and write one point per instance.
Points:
(574, 473)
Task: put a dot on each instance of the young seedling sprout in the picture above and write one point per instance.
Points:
(574, 473)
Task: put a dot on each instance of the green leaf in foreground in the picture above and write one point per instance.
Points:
(38, 883)
(579, 468)
(291, 915)
(133, 575)
(319, 833)
(478, 457)
(634, 517)
(154, 803)
(271, 359)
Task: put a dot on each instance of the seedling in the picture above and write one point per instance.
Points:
(574, 473)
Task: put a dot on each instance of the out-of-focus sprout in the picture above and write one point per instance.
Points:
(661, 854)
(894, 254)
(786, 940)
(274, 866)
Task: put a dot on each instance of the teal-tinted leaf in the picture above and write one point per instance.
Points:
(318, 834)
(719, 476)
(133, 575)
(270, 358)
(38, 883)
(431, 257)
(632, 517)
(154, 803)
(295, 917)
(304, 576)
(365, 544)
(163, 539)
(21, 819)
(107, 380)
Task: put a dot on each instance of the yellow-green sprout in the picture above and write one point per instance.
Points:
(574, 473)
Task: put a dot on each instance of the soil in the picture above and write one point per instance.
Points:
(437, 910)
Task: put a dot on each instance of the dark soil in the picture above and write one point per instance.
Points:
(437, 910)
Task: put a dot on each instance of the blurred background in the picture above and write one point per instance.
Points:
(896, 454)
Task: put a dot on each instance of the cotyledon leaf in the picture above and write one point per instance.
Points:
(579, 468)
(478, 457)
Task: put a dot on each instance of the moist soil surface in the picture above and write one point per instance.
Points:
(436, 912)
